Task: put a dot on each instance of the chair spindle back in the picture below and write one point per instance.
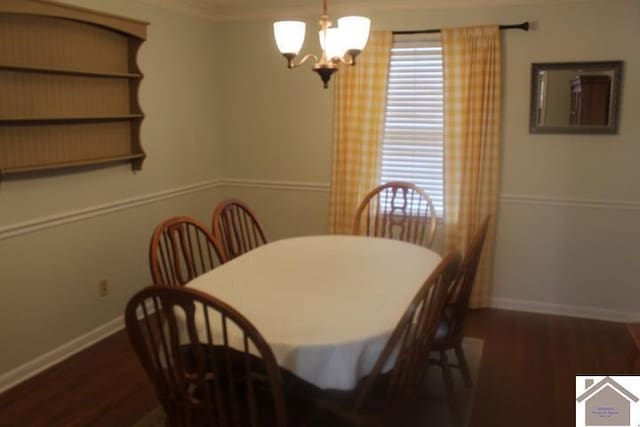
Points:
(181, 249)
(398, 210)
(202, 376)
(237, 228)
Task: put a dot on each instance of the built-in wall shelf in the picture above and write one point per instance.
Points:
(69, 83)
(45, 120)
(59, 165)
(69, 71)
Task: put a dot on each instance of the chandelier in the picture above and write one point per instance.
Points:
(340, 45)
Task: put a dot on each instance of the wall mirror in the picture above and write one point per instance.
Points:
(575, 97)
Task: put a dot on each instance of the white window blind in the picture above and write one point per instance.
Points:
(412, 147)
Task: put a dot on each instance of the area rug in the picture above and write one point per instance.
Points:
(435, 409)
(435, 412)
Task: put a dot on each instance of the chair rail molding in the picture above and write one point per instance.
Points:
(556, 201)
(276, 185)
(17, 229)
(63, 218)
(68, 217)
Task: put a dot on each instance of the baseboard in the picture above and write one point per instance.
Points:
(585, 312)
(57, 355)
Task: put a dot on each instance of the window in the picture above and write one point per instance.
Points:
(412, 146)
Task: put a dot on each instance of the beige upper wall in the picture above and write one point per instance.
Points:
(278, 121)
(179, 95)
(575, 166)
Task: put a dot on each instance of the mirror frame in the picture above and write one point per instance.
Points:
(612, 127)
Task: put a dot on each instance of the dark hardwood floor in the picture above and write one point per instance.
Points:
(529, 364)
(526, 375)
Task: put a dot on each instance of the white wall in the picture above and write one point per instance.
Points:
(569, 209)
(61, 233)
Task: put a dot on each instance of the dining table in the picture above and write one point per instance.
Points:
(325, 304)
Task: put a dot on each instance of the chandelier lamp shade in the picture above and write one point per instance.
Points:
(339, 45)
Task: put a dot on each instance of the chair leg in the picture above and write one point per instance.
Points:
(448, 385)
(464, 366)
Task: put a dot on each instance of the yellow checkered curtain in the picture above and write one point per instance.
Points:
(358, 124)
(472, 81)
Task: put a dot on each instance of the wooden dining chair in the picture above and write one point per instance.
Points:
(237, 228)
(380, 398)
(182, 339)
(399, 210)
(450, 330)
(180, 250)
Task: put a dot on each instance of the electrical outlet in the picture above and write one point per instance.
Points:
(103, 288)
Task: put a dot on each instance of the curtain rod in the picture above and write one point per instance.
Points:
(524, 27)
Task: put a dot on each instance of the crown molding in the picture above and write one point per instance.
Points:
(185, 9)
(256, 11)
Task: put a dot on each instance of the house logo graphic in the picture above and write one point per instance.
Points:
(607, 402)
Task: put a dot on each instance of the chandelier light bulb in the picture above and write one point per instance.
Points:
(335, 46)
(355, 31)
(289, 36)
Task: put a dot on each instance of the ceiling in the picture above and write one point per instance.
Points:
(233, 7)
(242, 9)
(261, 4)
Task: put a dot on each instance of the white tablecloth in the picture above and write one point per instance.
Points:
(325, 304)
